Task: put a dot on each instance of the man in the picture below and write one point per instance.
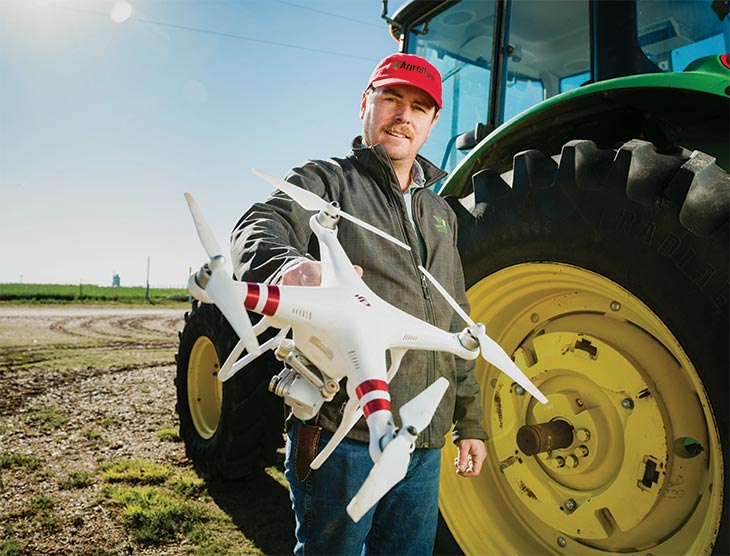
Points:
(383, 181)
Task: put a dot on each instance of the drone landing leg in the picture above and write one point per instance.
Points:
(350, 416)
(375, 403)
(381, 428)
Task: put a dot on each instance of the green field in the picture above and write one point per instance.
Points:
(88, 293)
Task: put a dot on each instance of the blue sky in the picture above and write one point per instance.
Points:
(104, 124)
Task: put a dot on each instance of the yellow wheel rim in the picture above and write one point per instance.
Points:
(644, 472)
(205, 391)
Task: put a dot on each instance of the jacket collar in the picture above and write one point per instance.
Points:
(376, 160)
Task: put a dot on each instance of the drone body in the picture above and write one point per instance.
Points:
(340, 329)
(344, 330)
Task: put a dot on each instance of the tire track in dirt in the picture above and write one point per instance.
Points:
(39, 358)
(121, 328)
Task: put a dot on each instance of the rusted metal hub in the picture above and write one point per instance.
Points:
(543, 437)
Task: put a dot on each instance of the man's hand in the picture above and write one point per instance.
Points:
(470, 457)
(307, 273)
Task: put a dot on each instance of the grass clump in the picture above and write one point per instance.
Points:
(214, 539)
(108, 422)
(41, 502)
(188, 485)
(139, 472)
(169, 435)
(48, 418)
(49, 523)
(76, 479)
(90, 434)
(41, 510)
(11, 547)
(9, 460)
(155, 504)
(153, 515)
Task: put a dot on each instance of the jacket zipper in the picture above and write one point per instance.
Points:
(431, 367)
(428, 305)
(424, 287)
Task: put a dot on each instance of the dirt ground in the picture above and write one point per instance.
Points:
(84, 386)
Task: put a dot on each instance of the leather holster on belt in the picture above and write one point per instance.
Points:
(306, 449)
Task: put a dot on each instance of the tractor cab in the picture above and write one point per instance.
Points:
(498, 59)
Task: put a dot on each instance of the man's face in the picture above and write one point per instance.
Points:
(399, 117)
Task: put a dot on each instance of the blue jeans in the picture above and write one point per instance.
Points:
(402, 522)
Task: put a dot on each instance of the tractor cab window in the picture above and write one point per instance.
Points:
(459, 43)
(673, 34)
(546, 53)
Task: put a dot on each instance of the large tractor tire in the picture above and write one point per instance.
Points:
(604, 273)
(230, 429)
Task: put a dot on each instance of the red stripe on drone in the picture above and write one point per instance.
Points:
(377, 404)
(272, 301)
(369, 386)
(252, 296)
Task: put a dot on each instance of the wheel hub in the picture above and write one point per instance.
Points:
(585, 488)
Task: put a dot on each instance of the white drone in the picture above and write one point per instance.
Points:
(325, 347)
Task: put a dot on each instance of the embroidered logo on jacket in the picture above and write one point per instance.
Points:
(440, 224)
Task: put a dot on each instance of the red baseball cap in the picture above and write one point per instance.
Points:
(408, 69)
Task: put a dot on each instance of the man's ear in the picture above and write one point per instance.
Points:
(363, 103)
(433, 123)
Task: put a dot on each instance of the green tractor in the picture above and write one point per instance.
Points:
(587, 144)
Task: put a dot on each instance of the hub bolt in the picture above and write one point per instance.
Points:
(519, 390)
(562, 542)
(583, 435)
(581, 451)
(571, 461)
(627, 403)
(570, 505)
(558, 462)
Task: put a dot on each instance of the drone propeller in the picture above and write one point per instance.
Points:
(310, 201)
(205, 233)
(494, 354)
(392, 466)
(220, 287)
(419, 411)
(490, 350)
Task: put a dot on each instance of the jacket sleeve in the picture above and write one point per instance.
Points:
(468, 412)
(273, 236)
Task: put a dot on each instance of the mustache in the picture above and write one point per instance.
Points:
(402, 130)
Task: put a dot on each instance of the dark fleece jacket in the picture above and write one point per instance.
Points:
(271, 236)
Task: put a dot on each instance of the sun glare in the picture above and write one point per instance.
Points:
(120, 12)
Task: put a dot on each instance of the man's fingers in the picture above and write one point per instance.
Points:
(308, 273)
(471, 455)
(464, 463)
(465, 460)
(478, 465)
(311, 276)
